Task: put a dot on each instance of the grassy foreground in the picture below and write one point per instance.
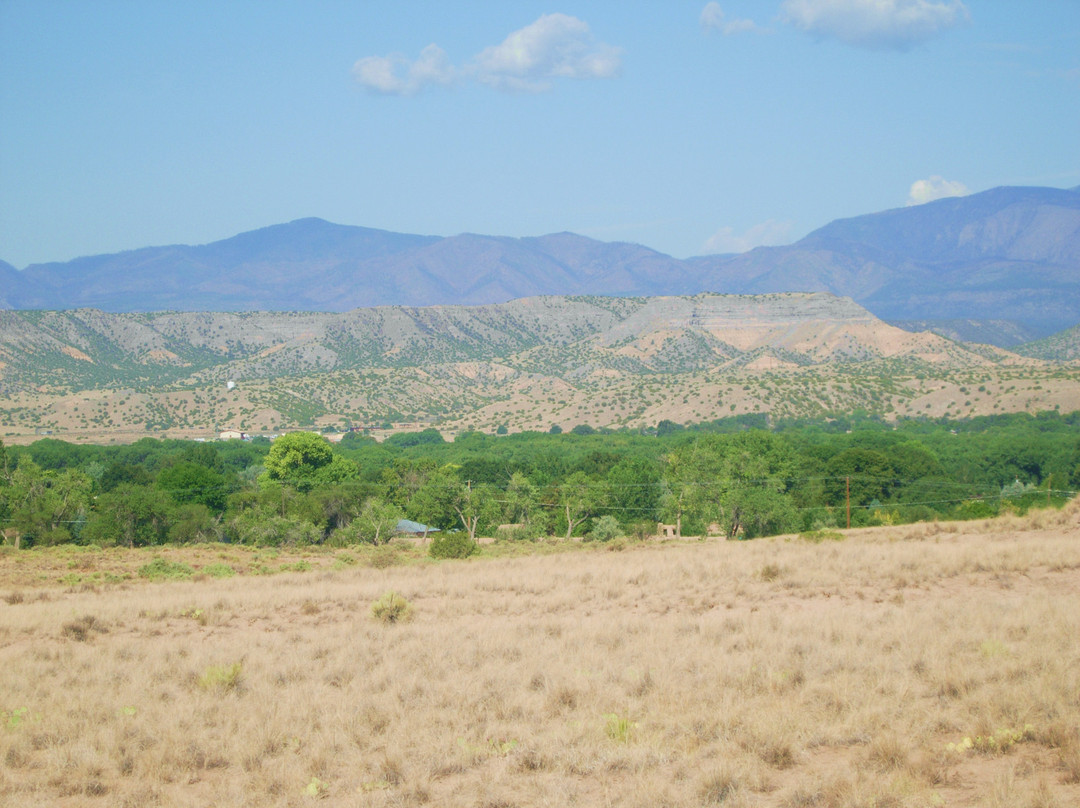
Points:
(923, 665)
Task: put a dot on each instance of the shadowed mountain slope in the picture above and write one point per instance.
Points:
(1007, 254)
(1063, 346)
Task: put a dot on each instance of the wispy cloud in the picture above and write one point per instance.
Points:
(556, 46)
(713, 19)
(396, 75)
(765, 234)
(877, 24)
(935, 187)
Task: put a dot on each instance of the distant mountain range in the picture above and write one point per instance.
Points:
(1007, 254)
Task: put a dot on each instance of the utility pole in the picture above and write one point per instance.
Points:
(847, 499)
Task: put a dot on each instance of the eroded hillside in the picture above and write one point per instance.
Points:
(526, 364)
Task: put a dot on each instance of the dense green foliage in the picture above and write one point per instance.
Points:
(452, 545)
(739, 477)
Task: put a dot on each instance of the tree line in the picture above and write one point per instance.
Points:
(738, 477)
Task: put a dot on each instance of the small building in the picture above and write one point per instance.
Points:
(406, 527)
(232, 434)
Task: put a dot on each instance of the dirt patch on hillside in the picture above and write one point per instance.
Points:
(75, 353)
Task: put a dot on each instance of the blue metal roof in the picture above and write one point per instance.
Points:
(408, 526)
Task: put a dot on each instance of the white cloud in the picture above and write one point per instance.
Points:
(881, 24)
(936, 187)
(713, 19)
(396, 75)
(555, 46)
(769, 233)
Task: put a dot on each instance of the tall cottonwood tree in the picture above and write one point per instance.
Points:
(376, 521)
(476, 505)
(738, 481)
(44, 507)
(579, 497)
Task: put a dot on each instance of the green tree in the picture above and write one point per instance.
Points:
(270, 530)
(118, 473)
(521, 500)
(605, 528)
(579, 497)
(354, 440)
(866, 472)
(189, 482)
(635, 490)
(338, 505)
(666, 427)
(131, 515)
(269, 498)
(762, 512)
(433, 502)
(405, 477)
(45, 507)
(305, 460)
(912, 461)
(376, 522)
(739, 481)
(193, 523)
(53, 455)
(5, 482)
(204, 454)
(475, 506)
(406, 440)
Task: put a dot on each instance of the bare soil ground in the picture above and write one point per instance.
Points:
(924, 665)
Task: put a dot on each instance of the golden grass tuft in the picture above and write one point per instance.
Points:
(83, 628)
(222, 678)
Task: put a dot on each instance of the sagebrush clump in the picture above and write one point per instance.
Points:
(392, 608)
(161, 568)
(452, 545)
(222, 678)
(605, 528)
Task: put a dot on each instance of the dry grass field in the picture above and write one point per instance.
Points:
(925, 665)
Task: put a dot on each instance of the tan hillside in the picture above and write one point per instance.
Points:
(527, 364)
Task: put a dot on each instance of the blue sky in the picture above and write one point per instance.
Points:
(690, 127)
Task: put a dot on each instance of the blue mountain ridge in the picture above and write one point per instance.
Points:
(1009, 253)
